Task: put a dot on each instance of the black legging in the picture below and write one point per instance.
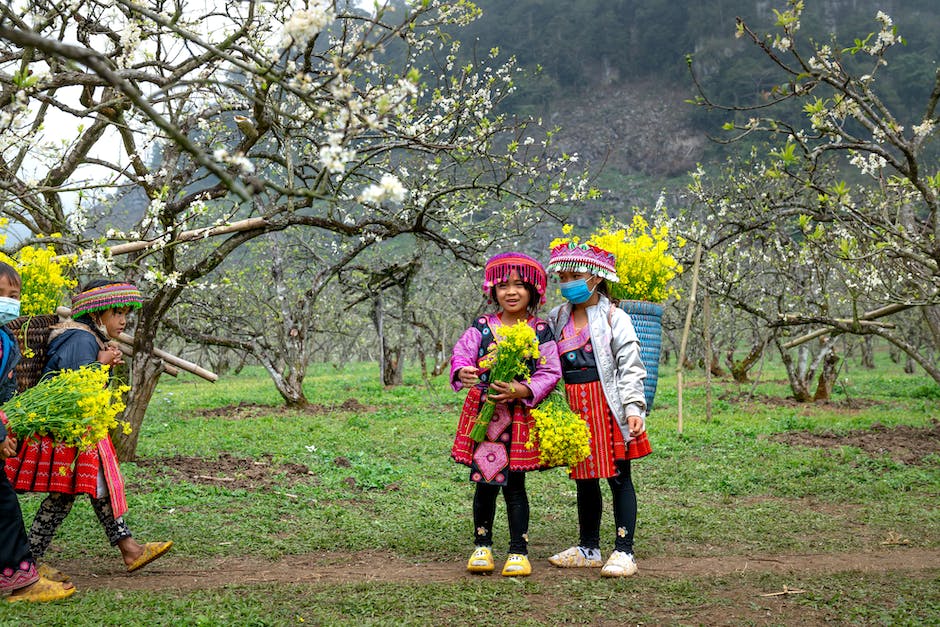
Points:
(590, 505)
(56, 506)
(517, 510)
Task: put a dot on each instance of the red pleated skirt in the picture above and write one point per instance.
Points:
(607, 443)
(44, 466)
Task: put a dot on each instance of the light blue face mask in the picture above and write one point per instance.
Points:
(576, 292)
(9, 309)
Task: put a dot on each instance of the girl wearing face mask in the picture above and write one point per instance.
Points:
(99, 315)
(603, 374)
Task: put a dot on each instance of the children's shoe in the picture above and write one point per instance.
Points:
(619, 564)
(577, 557)
(517, 566)
(481, 561)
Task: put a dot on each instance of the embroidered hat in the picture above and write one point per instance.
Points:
(106, 297)
(530, 271)
(571, 257)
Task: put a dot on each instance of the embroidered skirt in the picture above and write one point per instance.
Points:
(502, 449)
(607, 443)
(43, 466)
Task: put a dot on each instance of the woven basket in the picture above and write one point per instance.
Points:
(648, 321)
(32, 334)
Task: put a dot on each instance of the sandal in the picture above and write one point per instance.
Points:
(43, 590)
(481, 561)
(517, 565)
(53, 574)
(152, 550)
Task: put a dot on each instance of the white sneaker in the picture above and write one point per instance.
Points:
(577, 557)
(619, 564)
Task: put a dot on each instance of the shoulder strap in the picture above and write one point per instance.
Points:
(68, 325)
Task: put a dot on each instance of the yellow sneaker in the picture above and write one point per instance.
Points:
(481, 561)
(517, 566)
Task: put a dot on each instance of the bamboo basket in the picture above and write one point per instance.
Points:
(647, 319)
(32, 335)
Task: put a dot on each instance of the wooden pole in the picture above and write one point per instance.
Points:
(685, 330)
(707, 334)
(185, 236)
(126, 349)
(179, 362)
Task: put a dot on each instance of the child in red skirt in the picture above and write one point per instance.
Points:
(99, 315)
(603, 373)
(516, 282)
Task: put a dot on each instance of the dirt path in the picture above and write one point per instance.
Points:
(337, 568)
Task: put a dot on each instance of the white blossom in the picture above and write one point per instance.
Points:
(304, 25)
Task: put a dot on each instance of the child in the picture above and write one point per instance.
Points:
(600, 356)
(517, 283)
(99, 313)
(19, 576)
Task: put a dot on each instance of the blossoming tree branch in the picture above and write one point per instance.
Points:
(128, 121)
(839, 222)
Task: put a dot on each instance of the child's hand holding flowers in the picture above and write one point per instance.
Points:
(516, 345)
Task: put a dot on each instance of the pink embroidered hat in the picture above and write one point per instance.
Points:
(530, 271)
(106, 297)
(571, 257)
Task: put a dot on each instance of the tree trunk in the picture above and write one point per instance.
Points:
(740, 368)
(932, 317)
(797, 384)
(868, 352)
(290, 386)
(392, 368)
(827, 377)
(145, 372)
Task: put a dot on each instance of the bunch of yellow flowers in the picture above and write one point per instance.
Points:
(645, 267)
(45, 278)
(75, 408)
(564, 439)
(516, 345)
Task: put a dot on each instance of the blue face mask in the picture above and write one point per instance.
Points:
(9, 310)
(576, 292)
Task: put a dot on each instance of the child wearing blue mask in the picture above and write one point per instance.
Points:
(603, 374)
(20, 578)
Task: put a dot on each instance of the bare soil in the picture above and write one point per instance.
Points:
(363, 567)
(904, 444)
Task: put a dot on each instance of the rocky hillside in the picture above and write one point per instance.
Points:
(638, 128)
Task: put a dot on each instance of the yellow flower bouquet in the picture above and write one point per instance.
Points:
(74, 408)
(515, 345)
(563, 438)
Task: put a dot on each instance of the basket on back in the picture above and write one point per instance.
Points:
(647, 320)
(32, 334)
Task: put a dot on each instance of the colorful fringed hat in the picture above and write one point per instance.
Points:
(530, 271)
(106, 297)
(571, 257)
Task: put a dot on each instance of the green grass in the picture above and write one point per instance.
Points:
(720, 488)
